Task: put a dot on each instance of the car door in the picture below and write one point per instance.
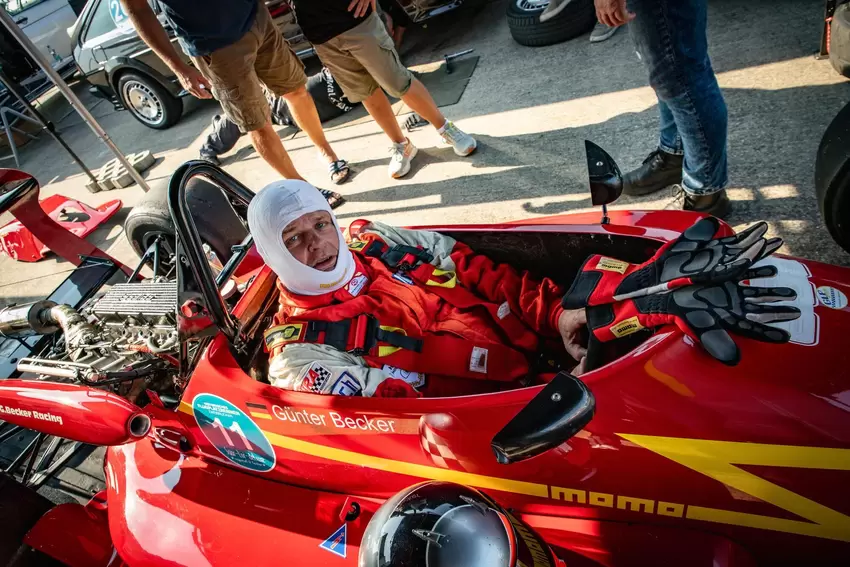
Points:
(110, 34)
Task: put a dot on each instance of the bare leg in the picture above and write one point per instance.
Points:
(304, 112)
(378, 106)
(268, 145)
(419, 99)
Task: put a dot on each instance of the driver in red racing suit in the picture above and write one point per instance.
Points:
(397, 312)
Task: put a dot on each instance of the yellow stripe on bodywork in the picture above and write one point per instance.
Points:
(410, 469)
(186, 407)
(717, 459)
(260, 415)
(399, 467)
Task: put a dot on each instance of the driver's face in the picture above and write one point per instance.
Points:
(312, 240)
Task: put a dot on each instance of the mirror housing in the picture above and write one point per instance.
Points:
(559, 411)
(605, 179)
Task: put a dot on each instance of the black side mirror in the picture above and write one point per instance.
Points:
(561, 409)
(606, 181)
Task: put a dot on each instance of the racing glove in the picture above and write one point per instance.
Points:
(696, 257)
(707, 313)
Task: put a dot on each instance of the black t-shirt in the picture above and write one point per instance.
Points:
(323, 20)
(203, 26)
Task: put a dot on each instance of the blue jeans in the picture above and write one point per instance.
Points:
(670, 38)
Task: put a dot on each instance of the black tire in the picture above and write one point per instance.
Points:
(576, 19)
(218, 224)
(832, 178)
(148, 101)
(839, 40)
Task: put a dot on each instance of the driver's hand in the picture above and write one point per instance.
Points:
(194, 82)
(613, 13)
(570, 323)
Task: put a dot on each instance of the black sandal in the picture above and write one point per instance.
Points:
(334, 199)
(414, 121)
(339, 167)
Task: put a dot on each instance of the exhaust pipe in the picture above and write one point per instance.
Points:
(74, 412)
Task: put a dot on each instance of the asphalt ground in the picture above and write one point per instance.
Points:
(531, 110)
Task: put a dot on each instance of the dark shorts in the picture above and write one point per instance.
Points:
(237, 71)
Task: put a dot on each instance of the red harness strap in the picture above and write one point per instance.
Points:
(438, 354)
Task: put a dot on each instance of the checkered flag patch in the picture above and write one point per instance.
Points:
(438, 449)
(315, 379)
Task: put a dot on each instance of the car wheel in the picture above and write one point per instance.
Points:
(839, 39)
(526, 28)
(148, 101)
(832, 178)
(218, 224)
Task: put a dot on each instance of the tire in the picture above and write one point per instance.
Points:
(576, 19)
(218, 224)
(148, 101)
(832, 178)
(839, 40)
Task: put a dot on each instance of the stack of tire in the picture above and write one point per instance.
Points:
(577, 18)
(832, 168)
(839, 39)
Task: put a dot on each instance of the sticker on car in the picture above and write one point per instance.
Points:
(791, 273)
(233, 433)
(832, 297)
(336, 542)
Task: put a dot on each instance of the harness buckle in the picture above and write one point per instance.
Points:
(404, 258)
(364, 334)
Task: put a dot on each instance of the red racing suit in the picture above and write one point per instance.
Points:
(422, 311)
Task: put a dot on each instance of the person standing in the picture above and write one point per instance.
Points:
(235, 46)
(327, 95)
(353, 43)
(670, 36)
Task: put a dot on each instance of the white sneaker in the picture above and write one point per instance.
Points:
(400, 157)
(463, 143)
(601, 32)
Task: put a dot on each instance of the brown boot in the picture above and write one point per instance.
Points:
(659, 170)
(716, 204)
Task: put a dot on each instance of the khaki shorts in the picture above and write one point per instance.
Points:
(363, 59)
(236, 72)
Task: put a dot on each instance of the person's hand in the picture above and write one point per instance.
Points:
(570, 323)
(613, 13)
(194, 82)
(579, 368)
(360, 7)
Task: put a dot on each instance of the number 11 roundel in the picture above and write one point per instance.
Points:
(233, 433)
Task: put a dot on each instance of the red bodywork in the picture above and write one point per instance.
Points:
(19, 243)
(686, 462)
(75, 412)
(39, 225)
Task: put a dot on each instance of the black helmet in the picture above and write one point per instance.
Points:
(441, 524)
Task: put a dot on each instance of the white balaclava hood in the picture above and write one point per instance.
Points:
(274, 207)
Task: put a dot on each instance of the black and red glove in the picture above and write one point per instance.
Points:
(696, 257)
(703, 312)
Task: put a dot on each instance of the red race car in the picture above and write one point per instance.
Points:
(658, 455)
